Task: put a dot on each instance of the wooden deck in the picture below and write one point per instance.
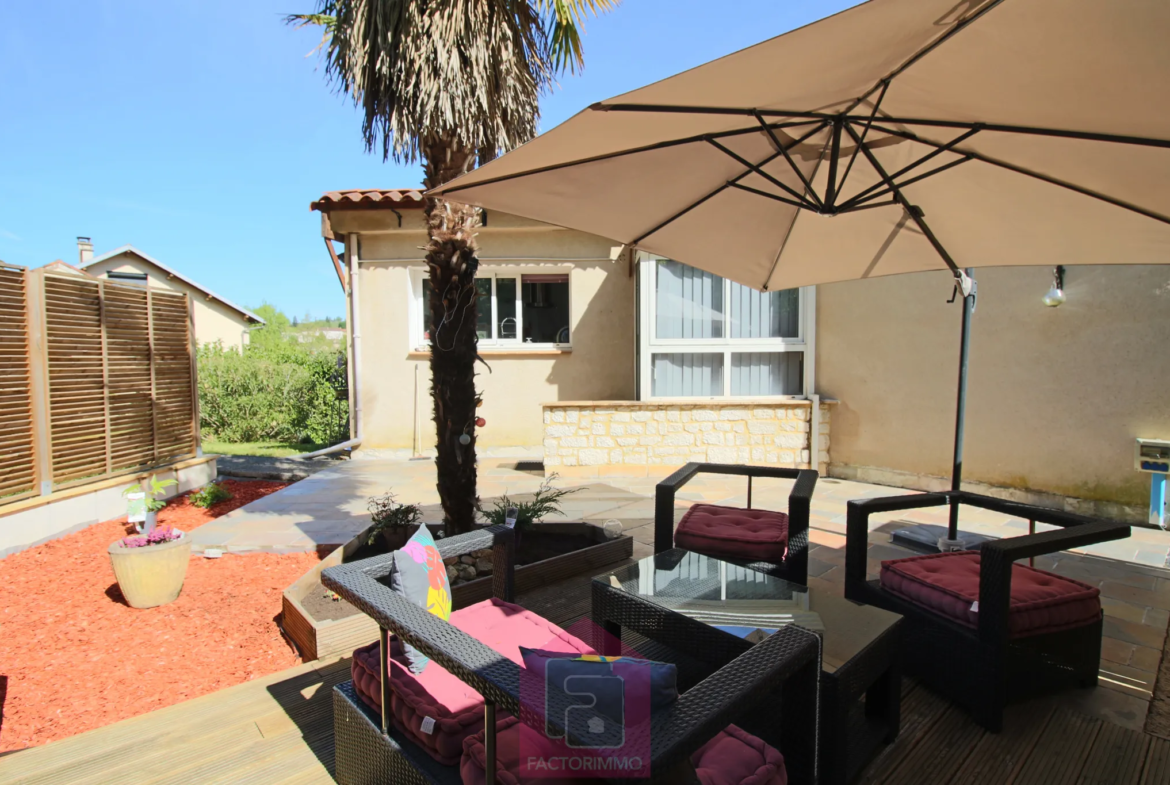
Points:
(278, 729)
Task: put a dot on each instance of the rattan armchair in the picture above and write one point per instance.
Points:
(794, 566)
(369, 749)
(984, 668)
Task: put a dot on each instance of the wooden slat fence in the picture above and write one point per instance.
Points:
(17, 463)
(112, 369)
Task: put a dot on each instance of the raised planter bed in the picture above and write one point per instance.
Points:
(321, 629)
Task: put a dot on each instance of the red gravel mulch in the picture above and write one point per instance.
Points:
(76, 657)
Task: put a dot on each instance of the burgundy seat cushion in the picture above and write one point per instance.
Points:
(457, 709)
(751, 535)
(948, 584)
(733, 757)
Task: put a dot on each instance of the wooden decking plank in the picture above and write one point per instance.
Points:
(998, 756)
(1060, 754)
(1157, 766)
(942, 751)
(920, 711)
(1116, 758)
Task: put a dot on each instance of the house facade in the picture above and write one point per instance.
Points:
(608, 363)
(216, 319)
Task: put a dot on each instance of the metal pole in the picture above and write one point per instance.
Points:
(961, 407)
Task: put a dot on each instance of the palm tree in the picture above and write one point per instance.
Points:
(451, 83)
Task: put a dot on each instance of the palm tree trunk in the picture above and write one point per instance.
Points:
(452, 262)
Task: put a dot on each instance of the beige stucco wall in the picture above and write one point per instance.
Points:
(214, 321)
(1056, 395)
(600, 365)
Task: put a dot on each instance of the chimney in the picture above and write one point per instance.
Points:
(84, 250)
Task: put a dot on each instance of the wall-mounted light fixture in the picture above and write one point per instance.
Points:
(1055, 295)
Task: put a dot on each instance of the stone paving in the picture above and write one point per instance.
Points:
(328, 508)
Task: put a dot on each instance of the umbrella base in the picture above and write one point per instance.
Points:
(924, 538)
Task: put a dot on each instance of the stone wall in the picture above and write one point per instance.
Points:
(639, 438)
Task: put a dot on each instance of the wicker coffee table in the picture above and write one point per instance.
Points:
(713, 611)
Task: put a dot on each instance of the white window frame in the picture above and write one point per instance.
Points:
(518, 344)
(649, 344)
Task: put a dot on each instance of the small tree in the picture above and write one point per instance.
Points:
(450, 83)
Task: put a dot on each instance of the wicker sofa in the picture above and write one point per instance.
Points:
(1000, 646)
(370, 748)
(735, 535)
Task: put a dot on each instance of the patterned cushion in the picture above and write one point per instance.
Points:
(749, 535)
(420, 576)
(948, 584)
(732, 757)
(457, 709)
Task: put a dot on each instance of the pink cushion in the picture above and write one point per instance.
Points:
(751, 535)
(733, 757)
(948, 584)
(456, 708)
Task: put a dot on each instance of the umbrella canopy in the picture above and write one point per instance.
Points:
(897, 136)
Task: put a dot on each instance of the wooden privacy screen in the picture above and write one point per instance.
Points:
(120, 370)
(17, 463)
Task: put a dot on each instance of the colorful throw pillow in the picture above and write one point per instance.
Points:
(656, 682)
(420, 576)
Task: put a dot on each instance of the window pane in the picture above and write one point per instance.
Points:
(764, 314)
(506, 309)
(483, 317)
(426, 310)
(689, 302)
(687, 375)
(546, 308)
(767, 373)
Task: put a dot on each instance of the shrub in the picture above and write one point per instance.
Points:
(275, 390)
(209, 495)
(546, 501)
(387, 513)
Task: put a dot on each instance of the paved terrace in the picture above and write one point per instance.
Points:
(328, 508)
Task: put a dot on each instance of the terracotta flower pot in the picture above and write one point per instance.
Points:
(152, 575)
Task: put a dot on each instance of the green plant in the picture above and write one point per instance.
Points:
(546, 501)
(209, 495)
(152, 503)
(386, 513)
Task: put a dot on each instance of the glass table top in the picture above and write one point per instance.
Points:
(747, 603)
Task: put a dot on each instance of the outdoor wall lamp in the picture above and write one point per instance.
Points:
(1055, 295)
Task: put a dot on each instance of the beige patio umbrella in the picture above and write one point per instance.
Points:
(897, 136)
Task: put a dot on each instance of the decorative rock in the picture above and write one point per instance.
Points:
(467, 559)
(451, 560)
(483, 553)
(483, 566)
(452, 572)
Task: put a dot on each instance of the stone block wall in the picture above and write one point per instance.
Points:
(640, 438)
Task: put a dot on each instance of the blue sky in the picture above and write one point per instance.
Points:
(198, 131)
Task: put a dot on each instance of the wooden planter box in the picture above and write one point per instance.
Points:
(322, 639)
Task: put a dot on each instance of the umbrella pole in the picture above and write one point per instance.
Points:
(961, 409)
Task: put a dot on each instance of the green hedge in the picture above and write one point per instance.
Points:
(276, 390)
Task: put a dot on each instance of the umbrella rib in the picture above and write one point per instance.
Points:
(776, 143)
(722, 187)
(620, 153)
(856, 204)
(924, 51)
(1039, 176)
(801, 201)
(914, 211)
(865, 132)
(914, 165)
(1091, 136)
(757, 191)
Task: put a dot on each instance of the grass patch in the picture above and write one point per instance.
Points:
(263, 449)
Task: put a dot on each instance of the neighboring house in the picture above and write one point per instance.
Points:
(334, 334)
(608, 363)
(216, 319)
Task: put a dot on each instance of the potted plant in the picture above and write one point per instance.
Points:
(393, 523)
(545, 501)
(151, 568)
(144, 502)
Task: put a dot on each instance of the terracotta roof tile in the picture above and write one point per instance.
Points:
(368, 198)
